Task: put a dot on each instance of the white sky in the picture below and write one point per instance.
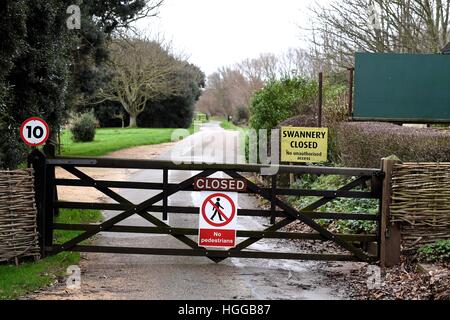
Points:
(216, 33)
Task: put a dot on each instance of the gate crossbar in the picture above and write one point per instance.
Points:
(294, 215)
(139, 209)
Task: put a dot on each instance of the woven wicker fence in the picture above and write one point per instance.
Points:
(18, 228)
(421, 203)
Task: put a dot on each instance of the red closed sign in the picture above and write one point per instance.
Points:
(216, 184)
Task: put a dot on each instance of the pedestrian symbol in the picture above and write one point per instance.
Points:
(217, 211)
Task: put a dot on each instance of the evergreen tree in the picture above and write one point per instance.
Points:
(44, 65)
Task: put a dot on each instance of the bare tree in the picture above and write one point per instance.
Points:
(227, 90)
(143, 71)
(296, 62)
(231, 88)
(406, 26)
(124, 27)
(260, 69)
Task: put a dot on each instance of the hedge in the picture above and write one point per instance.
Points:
(363, 144)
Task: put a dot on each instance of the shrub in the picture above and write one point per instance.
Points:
(241, 115)
(363, 144)
(174, 112)
(342, 205)
(107, 114)
(12, 150)
(83, 128)
(335, 108)
(280, 100)
(300, 121)
(437, 252)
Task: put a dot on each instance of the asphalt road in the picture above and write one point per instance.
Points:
(114, 276)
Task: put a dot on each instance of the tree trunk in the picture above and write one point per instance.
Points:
(133, 121)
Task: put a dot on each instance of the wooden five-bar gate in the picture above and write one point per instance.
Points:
(281, 212)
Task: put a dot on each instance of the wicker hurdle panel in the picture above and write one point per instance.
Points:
(18, 216)
(421, 203)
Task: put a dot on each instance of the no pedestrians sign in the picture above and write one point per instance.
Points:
(218, 220)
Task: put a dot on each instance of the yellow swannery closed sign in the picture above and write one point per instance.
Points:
(308, 145)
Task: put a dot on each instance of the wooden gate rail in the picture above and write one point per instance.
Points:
(244, 168)
(195, 210)
(279, 208)
(214, 255)
(240, 234)
(160, 186)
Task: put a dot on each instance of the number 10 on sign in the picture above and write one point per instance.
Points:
(34, 132)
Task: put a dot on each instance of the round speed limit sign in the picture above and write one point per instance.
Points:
(34, 132)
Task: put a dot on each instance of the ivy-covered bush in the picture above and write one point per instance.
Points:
(32, 72)
(363, 144)
(12, 150)
(437, 252)
(83, 127)
(341, 205)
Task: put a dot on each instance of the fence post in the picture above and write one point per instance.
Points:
(36, 160)
(320, 102)
(350, 92)
(273, 206)
(390, 238)
(165, 215)
(50, 199)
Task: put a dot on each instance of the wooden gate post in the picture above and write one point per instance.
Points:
(45, 195)
(36, 160)
(273, 195)
(165, 214)
(390, 238)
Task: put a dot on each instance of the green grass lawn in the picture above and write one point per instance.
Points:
(109, 140)
(30, 276)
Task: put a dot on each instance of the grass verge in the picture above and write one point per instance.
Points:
(17, 281)
(113, 139)
(228, 125)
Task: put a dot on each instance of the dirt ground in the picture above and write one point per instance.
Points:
(93, 195)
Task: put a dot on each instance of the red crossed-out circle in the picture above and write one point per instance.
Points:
(227, 219)
(43, 141)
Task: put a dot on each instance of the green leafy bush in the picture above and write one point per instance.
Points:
(356, 226)
(341, 205)
(437, 252)
(83, 128)
(363, 144)
(280, 100)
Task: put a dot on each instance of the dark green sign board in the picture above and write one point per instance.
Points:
(402, 87)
